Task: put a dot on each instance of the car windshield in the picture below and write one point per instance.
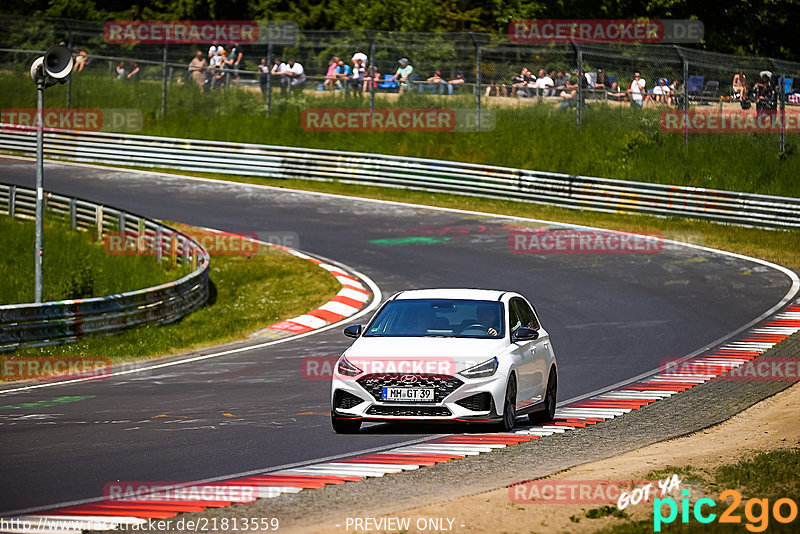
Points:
(439, 318)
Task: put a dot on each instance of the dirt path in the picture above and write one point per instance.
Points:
(771, 424)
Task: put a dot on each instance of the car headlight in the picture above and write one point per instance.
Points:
(481, 370)
(344, 367)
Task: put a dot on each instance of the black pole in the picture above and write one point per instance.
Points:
(69, 80)
(580, 85)
(372, 73)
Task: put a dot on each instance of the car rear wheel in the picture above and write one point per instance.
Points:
(549, 412)
(509, 406)
(345, 426)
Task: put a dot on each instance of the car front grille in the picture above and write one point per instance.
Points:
(410, 411)
(345, 400)
(443, 385)
(480, 402)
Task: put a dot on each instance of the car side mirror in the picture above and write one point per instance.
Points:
(354, 330)
(523, 333)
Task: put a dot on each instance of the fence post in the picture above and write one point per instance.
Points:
(269, 63)
(122, 222)
(477, 80)
(12, 199)
(579, 107)
(73, 214)
(685, 102)
(782, 96)
(69, 78)
(164, 84)
(371, 36)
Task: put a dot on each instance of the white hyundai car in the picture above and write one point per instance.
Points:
(450, 355)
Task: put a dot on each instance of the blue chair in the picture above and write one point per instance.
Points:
(387, 83)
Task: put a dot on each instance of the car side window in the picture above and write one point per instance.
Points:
(526, 315)
(514, 320)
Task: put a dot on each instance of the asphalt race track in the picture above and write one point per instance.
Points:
(611, 317)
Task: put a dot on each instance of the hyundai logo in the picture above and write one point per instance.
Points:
(408, 378)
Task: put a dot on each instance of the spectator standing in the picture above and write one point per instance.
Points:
(360, 55)
(197, 69)
(359, 71)
(330, 75)
(403, 74)
(263, 73)
(213, 51)
(121, 71)
(133, 71)
(636, 90)
(236, 54)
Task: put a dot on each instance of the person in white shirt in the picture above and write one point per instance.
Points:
(294, 77)
(636, 90)
(543, 84)
(359, 55)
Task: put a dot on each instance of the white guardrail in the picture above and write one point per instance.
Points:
(64, 321)
(599, 194)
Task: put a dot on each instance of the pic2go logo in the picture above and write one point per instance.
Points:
(756, 511)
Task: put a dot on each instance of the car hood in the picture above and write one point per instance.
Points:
(449, 355)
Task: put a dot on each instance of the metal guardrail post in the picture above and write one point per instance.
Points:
(173, 251)
(98, 217)
(193, 252)
(73, 214)
(122, 222)
(12, 200)
(159, 245)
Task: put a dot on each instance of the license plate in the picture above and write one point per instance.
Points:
(408, 394)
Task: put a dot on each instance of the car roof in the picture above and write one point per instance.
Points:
(455, 293)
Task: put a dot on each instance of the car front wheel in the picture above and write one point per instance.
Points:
(549, 412)
(509, 407)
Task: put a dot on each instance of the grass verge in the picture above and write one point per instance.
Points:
(248, 293)
(74, 266)
(613, 141)
(766, 477)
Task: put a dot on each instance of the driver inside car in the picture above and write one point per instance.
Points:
(487, 317)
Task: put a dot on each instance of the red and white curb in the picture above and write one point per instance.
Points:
(108, 515)
(350, 299)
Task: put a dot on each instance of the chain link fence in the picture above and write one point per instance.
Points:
(476, 73)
